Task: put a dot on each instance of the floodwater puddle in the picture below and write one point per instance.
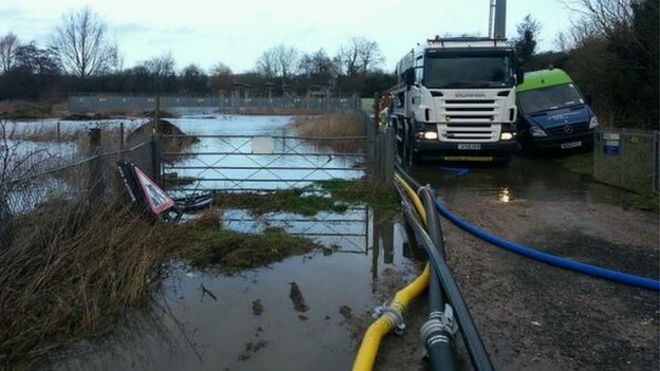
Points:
(290, 315)
(523, 178)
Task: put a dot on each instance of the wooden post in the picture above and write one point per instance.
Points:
(58, 132)
(157, 116)
(388, 155)
(121, 136)
(156, 149)
(95, 175)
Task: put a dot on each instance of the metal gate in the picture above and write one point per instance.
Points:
(258, 162)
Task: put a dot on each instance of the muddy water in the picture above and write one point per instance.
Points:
(249, 321)
(524, 178)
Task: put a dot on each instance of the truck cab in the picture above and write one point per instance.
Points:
(456, 100)
(554, 115)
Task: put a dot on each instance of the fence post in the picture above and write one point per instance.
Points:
(156, 148)
(58, 132)
(388, 155)
(157, 115)
(95, 176)
(371, 145)
(121, 136)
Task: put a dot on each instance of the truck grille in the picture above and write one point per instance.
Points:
(469, 120)
(561, 131)
(470, 110)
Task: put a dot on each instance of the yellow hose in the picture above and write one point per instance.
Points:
(364, 361)
(366, 356)
(413, 196)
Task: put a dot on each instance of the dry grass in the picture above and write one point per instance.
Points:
(68, 272)
(332, 126)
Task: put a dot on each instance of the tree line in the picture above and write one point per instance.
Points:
(612, 53)
(82, 57)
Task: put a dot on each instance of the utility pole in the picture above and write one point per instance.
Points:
(491, 15)
(499, 31)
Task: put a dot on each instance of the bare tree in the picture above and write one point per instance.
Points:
(221, 77)
(268, 65)
(287, 59)
(162, 70)
(279, 61)
(359, 56)
(220, 69)
(83, 45)
(8, 45)
(163, 65)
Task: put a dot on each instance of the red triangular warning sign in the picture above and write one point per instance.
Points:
(157, 199)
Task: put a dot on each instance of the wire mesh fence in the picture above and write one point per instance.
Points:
(83, 181)
(628, 159)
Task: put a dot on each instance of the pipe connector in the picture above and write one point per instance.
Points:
(397, 317)
(439, 322)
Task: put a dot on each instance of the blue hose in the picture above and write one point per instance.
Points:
(592, 270)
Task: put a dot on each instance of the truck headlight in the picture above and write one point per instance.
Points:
(430, 135)
(537, 131)
(594, 122)
(506, 136)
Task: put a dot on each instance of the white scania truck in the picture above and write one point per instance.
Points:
(456, 100)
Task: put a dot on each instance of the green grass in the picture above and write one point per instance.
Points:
(582, 163)
(341, 194)
(382, 199)
(229, 251)
(292, 201)
(649, 201)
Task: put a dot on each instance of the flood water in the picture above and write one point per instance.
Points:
(188, 329)
(524, 178)
(204, 321)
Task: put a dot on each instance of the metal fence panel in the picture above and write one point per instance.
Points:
(627, 159)
(88, 103)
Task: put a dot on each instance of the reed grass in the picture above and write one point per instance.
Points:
(332, 126)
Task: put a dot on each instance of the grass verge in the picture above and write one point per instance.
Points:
(581, 163)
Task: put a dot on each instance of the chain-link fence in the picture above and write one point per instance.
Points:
(628, 159)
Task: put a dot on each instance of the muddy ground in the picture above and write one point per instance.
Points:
(533, 316)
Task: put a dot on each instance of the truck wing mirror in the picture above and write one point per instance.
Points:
(410, 77)
(520, 76)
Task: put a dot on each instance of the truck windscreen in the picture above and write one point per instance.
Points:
(465, 71)
(553, 97)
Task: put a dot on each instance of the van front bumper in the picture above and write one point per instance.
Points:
(586, 140)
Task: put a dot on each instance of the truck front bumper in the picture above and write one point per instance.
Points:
(450, 150)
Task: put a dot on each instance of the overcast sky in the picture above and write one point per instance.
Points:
(236, 32)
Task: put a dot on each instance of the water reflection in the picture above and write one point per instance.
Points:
(504, 195)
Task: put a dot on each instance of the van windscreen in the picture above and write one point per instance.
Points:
(553, 97)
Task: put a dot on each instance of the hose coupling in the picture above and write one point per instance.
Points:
(393, 314)
(438, 323)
